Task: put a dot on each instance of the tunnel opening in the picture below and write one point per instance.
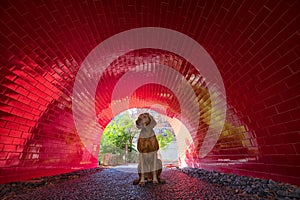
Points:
(118, 144)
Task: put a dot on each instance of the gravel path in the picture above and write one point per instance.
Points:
(116, 183)
(260, 188)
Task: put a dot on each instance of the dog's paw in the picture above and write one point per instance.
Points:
(155, 182)
(162, 181)
(135, 182)
(142, 184)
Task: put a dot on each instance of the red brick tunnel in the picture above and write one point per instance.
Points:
(227, 70)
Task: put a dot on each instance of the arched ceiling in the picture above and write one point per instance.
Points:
(254, 45)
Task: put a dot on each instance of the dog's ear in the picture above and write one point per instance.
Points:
(138, 126)
(152, 122)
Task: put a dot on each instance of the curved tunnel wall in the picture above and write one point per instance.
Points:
(255, 45)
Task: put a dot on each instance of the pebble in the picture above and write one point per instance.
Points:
(253, 186)
(185, 183)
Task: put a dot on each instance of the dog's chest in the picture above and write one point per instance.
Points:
(147, 142)
(146, 133)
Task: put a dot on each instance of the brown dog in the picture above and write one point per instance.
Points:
(149, 166)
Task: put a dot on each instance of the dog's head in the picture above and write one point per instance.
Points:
(145, 120)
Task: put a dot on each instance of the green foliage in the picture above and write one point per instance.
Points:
(164, 139)
(118, 134)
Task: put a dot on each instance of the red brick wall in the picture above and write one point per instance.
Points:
(255, 45)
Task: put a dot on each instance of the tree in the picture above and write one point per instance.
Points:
(164, 139)
(118, 136)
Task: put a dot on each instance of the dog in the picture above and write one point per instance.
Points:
(149, 167)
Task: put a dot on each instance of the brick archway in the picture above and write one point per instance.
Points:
(253, 43)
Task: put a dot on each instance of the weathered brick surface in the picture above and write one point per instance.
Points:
(255, 45)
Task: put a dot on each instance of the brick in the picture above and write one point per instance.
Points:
(276, 13)
(286, 59)
(26, 135)
(9, 147)
(282, 34)
(24, 128)
(19, 141)
(254, 44)
(295, 113)
(281, 118)
(1, 147)
(258, 32)
(28, 116)
(297, 147)
(3, 155)
(271, 58)
(288, 44)
(256, 59)
(259, 18)
(271, 111)
(290, 92)
(14, 156)
(245, 47)
(285, 149)
(256, 6)
(24, 100)
(4, 131)
(42, 101)
(267, 149)
(293, 126)
(284, 159)
(288, 105)
(221, 14)
(291, 13)
(12, 125)
(279, 75)
(15, 133)
(271, 4)
(17, 112)
(277, 129)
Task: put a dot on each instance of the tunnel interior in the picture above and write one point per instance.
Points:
(237, 94)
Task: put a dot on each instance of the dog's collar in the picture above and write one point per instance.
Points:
(147, 137)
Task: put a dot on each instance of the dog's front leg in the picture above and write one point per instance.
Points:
(141, 159)
(155, 181)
